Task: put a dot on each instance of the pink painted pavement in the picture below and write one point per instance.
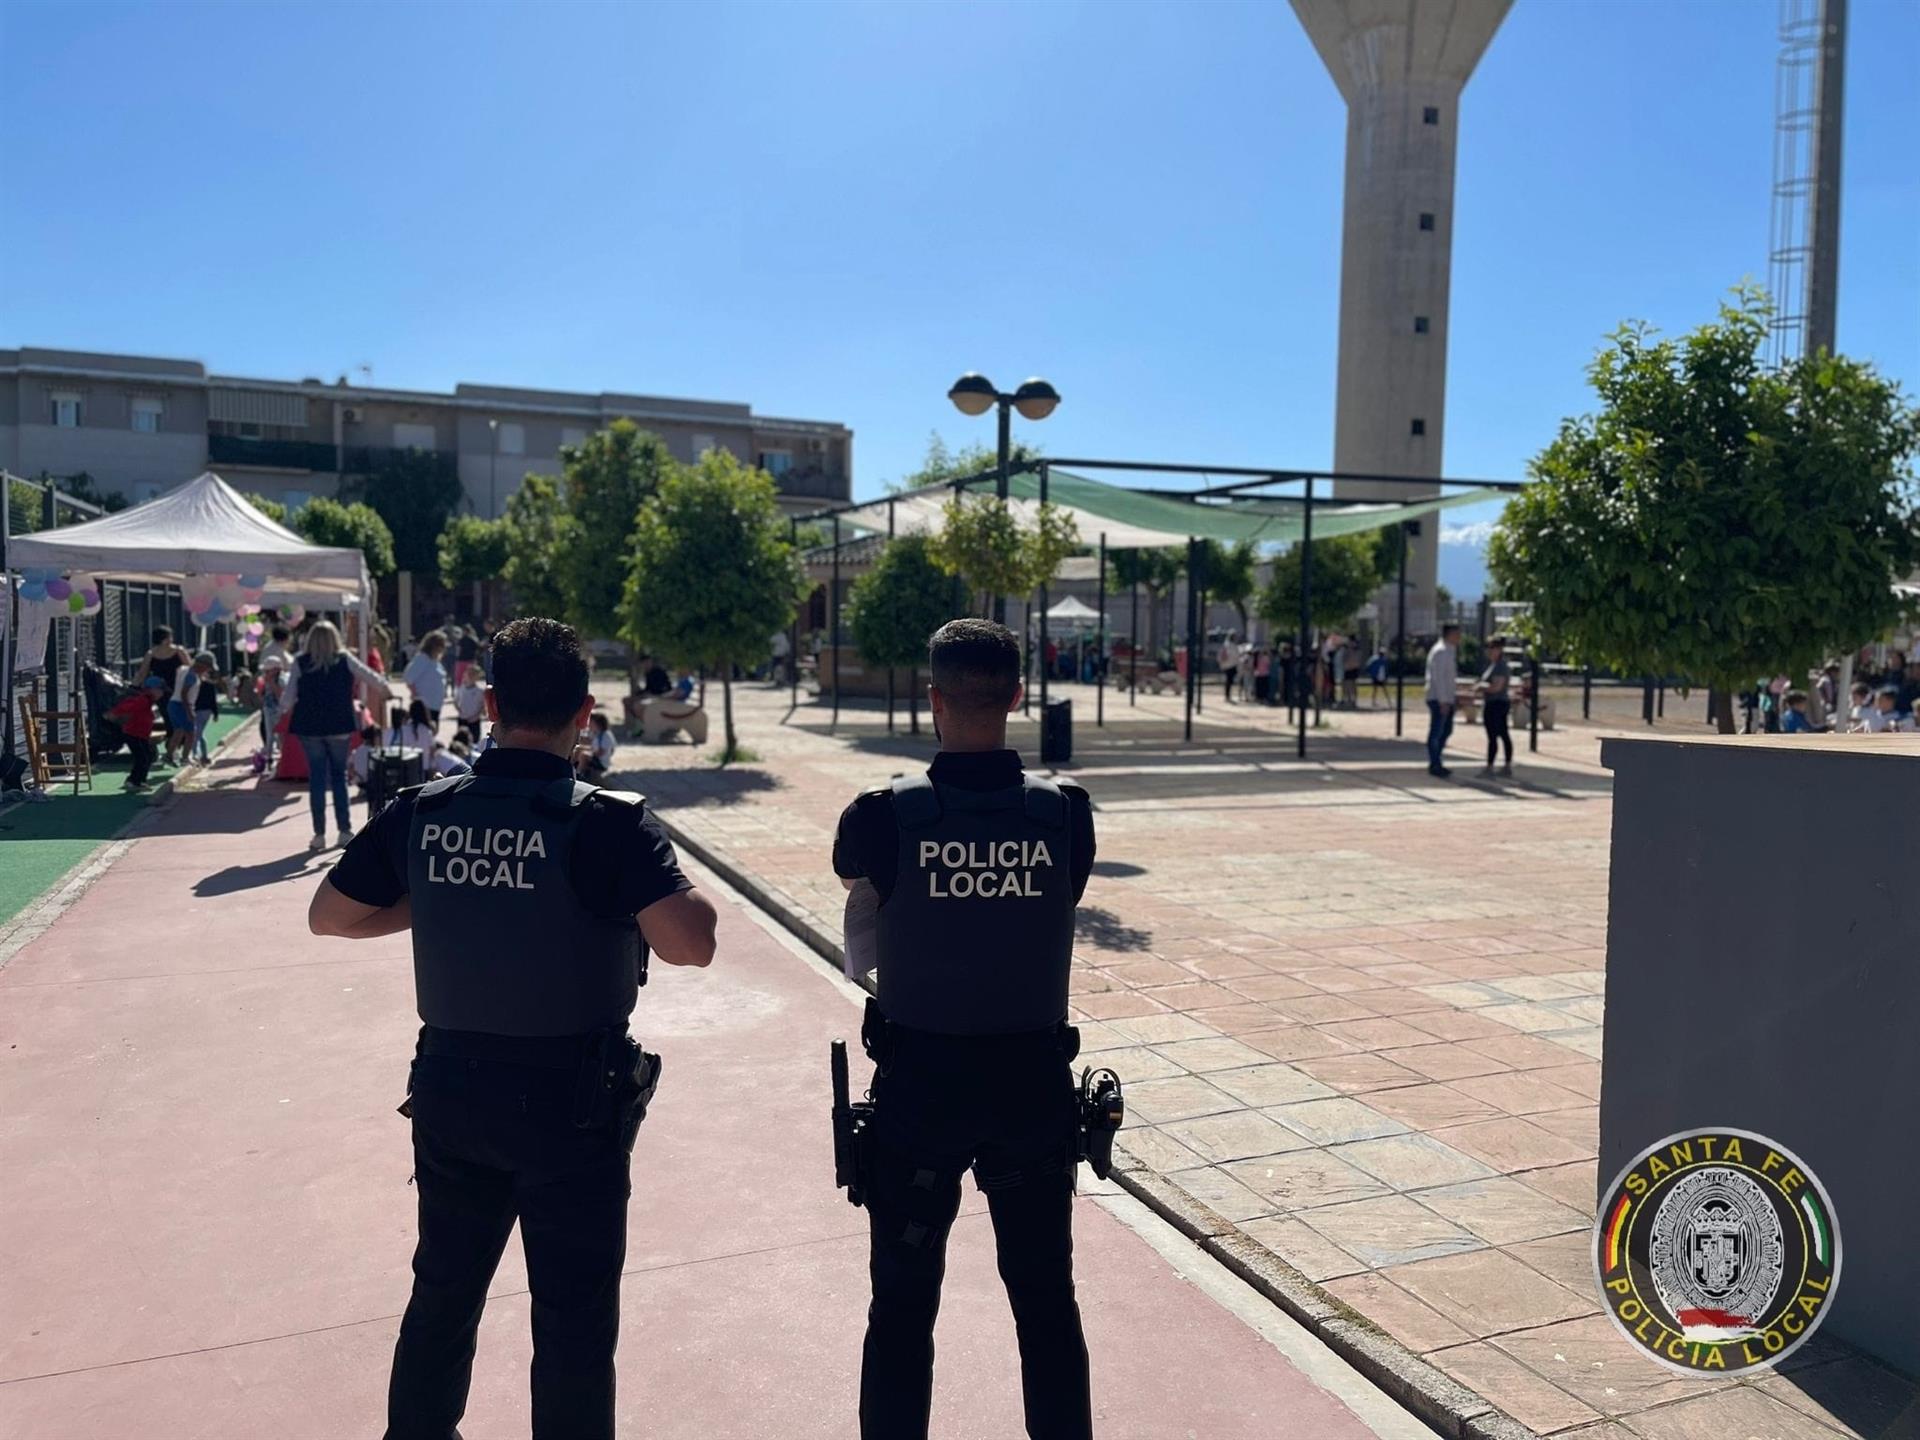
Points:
(207, 1220)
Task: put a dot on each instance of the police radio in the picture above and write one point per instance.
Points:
(851, 1122)
(1103, 1108)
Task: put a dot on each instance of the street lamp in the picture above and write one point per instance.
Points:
(974, 394)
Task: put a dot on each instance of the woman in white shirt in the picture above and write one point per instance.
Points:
(426, 679)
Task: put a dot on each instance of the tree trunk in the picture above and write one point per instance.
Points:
(913, 701)
(726, 707)
(633, 670)
(1723, 709)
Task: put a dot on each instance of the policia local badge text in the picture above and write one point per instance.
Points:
(1717, 1251)
(990, 869)
(481, 854)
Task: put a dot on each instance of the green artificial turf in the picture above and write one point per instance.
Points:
(40, 843)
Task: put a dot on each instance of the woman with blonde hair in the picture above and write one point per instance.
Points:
(319, 701)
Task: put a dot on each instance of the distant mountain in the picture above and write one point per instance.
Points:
(1463, 558)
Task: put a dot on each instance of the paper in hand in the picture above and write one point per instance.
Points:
(860, 928)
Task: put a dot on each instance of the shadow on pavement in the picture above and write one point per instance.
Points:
(299, 866)
(1108, 931)
(707, 785)
(1117, 869)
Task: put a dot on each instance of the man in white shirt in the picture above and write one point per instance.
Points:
(1442, 692)
(1229, 664)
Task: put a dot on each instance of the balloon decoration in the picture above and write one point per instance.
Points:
(295, 614)
(77, 597)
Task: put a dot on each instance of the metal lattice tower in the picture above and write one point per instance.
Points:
(1803, 252)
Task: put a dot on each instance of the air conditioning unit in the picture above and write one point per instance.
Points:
(353, 415)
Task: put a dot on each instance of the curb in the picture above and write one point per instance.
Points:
(1429, 1394)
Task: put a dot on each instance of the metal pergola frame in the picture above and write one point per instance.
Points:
(1250, 479)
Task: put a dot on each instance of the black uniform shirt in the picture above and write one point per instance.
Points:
(867, 846)
(622, 862)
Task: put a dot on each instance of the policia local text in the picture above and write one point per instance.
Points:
(990, 869)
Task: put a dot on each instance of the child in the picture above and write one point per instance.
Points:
(206, 705)
(596, 758)
(1862, 703)
(360, 758)
(271, 685)
(455, 759)
(416, 732)
(1795, 721)
(134, 716)
(469, 703)
(186, 690)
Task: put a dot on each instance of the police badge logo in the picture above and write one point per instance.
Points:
(1717, 1251)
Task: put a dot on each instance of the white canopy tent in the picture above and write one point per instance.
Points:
(201, 528)
(1072, 611)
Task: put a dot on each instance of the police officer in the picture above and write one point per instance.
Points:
(977, 868)
(533, 903)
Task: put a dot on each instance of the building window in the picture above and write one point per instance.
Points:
(1430, 116)
(66, 409)
(413, 436)
(1426, 219)
(776, 462)
(572, 435)
(1419, 324)
(513, 438)
(1419, 426)
(146, 415)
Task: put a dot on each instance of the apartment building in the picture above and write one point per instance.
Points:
(142, 425)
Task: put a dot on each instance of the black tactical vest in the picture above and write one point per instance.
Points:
(977, 936)
(501, 943)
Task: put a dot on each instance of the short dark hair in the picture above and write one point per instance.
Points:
(1796, 697)
(975, 664)
(539, 674)
(279, 632)
(161, 634)
(1451, 627)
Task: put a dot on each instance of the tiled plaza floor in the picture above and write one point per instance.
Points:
(1358, 1011)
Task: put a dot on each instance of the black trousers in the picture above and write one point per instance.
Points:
(1494, 719)
(1006, 1109)
(494, 1142)
(140, 751)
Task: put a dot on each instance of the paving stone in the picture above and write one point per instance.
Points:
(1157, 1149)
(1497, 1377)
(1522, 1052)
(1304, 1179)
(1293, 1042)
(1528, 1018)
(1235, 1135)
(1574, 1185)
(1417, 1326)
(1391, 1230)
(1580, 1128)
(1745, 1411)
(1222, 1193)
(1358, 1073)
(1180, 1098)
(1446, 1061)
(1487, 1290)
(1379, 1033)
(1271, 1084)
(1852, 1394)
(1510, 1143)
(1567, 1260)
(1216, 1053)
(1160, 1027)
(1268, 987)
(1135, 1063)
(1448, 1024)
(1115, 1004)
(1321, 1009)
(1430, 1107)
(1501, 1210)
(1304, 1248)
(1239, 1020)
(1413, 1161)
(1582, 1078)
(1335, 1121)
(1520, 1092)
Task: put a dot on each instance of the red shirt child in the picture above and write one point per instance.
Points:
(134, 715)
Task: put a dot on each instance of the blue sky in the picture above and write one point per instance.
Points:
(829, 210)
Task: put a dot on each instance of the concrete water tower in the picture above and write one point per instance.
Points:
(1400, 66)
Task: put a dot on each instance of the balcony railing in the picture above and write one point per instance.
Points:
(813, 481)
(371, 459)
(277, 454)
